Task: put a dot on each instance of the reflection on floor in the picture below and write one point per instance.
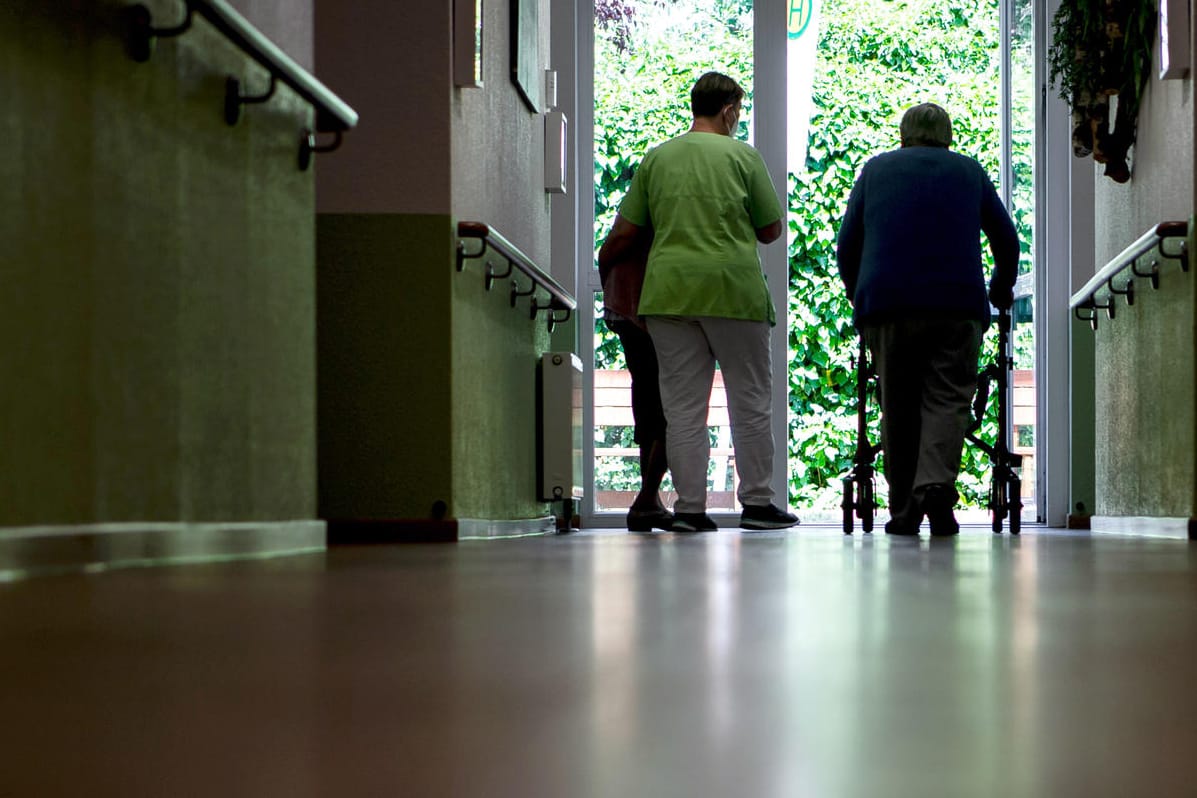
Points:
(801, 663)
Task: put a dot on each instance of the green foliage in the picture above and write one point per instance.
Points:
(1101, 47)
(871, 67)
(874, 61)
(642, 92)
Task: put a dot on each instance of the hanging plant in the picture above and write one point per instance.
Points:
(1102, 49)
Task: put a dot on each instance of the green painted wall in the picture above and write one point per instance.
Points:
(1083, 478)
(385, 400)
(1146, 458)
(496, 349)
(426, 379)
(157, 323)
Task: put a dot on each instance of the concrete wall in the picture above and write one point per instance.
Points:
(427, 386)
(498, 144)
(157, 321)
(498, 178)
(288, 23)
(1145, 403)
(1145, 408)
(391, 62)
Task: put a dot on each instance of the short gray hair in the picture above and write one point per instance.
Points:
(926, 125)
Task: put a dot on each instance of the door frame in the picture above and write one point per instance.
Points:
(1058, 230)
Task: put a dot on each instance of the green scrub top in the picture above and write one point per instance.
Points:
(704, 195)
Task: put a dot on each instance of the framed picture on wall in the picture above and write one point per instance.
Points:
(525, 50)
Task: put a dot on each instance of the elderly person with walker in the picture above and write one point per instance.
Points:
(909, 253)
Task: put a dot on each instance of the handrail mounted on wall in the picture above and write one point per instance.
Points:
(559, 299)
(1117, 278)
(333, 115)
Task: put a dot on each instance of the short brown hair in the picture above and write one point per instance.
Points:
(926, 125)
(713, 91)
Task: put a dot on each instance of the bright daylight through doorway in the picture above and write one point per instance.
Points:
(854, 67)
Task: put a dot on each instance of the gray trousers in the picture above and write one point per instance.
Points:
(927, 375)
(687, 349)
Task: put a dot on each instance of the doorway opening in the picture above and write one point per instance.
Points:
(853, 68)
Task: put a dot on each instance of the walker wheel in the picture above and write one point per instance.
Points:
(866, 505)
(1015, 485)
(997, 502)
(847, 505)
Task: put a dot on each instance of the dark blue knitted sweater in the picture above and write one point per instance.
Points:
(909, 245)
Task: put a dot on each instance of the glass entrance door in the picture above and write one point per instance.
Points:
(853, 67)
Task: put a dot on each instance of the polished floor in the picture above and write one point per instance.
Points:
(799, 663)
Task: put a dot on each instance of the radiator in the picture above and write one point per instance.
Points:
(560, 400)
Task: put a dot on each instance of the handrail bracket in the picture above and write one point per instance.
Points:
(552, 306)
(516, 293)
(308, 147)
(1153, 273)
(491, 275)
(1182, 254)
(1091, 318)
(332, 115)
(140, 31)
(1128, 291)
(234, 99)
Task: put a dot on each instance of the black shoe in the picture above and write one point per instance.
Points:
(938, 502)
(692, 522)
(767, 516)
(896, 527)
(648, 520)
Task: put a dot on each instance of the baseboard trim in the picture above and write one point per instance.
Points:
(1146, 526)
(359, 532)
(484, 529)
(52, 549)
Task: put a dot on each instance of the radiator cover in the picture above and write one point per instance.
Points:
(560, 427)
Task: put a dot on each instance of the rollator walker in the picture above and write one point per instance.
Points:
(860, 484)
(1005, 486)
(1005, 490)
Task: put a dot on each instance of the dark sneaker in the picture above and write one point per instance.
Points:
(692, 522)
(648, 520)
(766, 516)
(896, 527)
(938, 502)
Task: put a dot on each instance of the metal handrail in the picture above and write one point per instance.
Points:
(559, 298)
(1117, 278)
(333, 115)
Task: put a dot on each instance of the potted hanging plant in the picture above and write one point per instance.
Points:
(1102, 49)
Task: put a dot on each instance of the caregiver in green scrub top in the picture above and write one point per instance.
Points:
(709, 200)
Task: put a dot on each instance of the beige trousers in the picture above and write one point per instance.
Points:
(927, 375)
(688, 347)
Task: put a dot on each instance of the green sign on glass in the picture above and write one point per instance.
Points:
(798, 17)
